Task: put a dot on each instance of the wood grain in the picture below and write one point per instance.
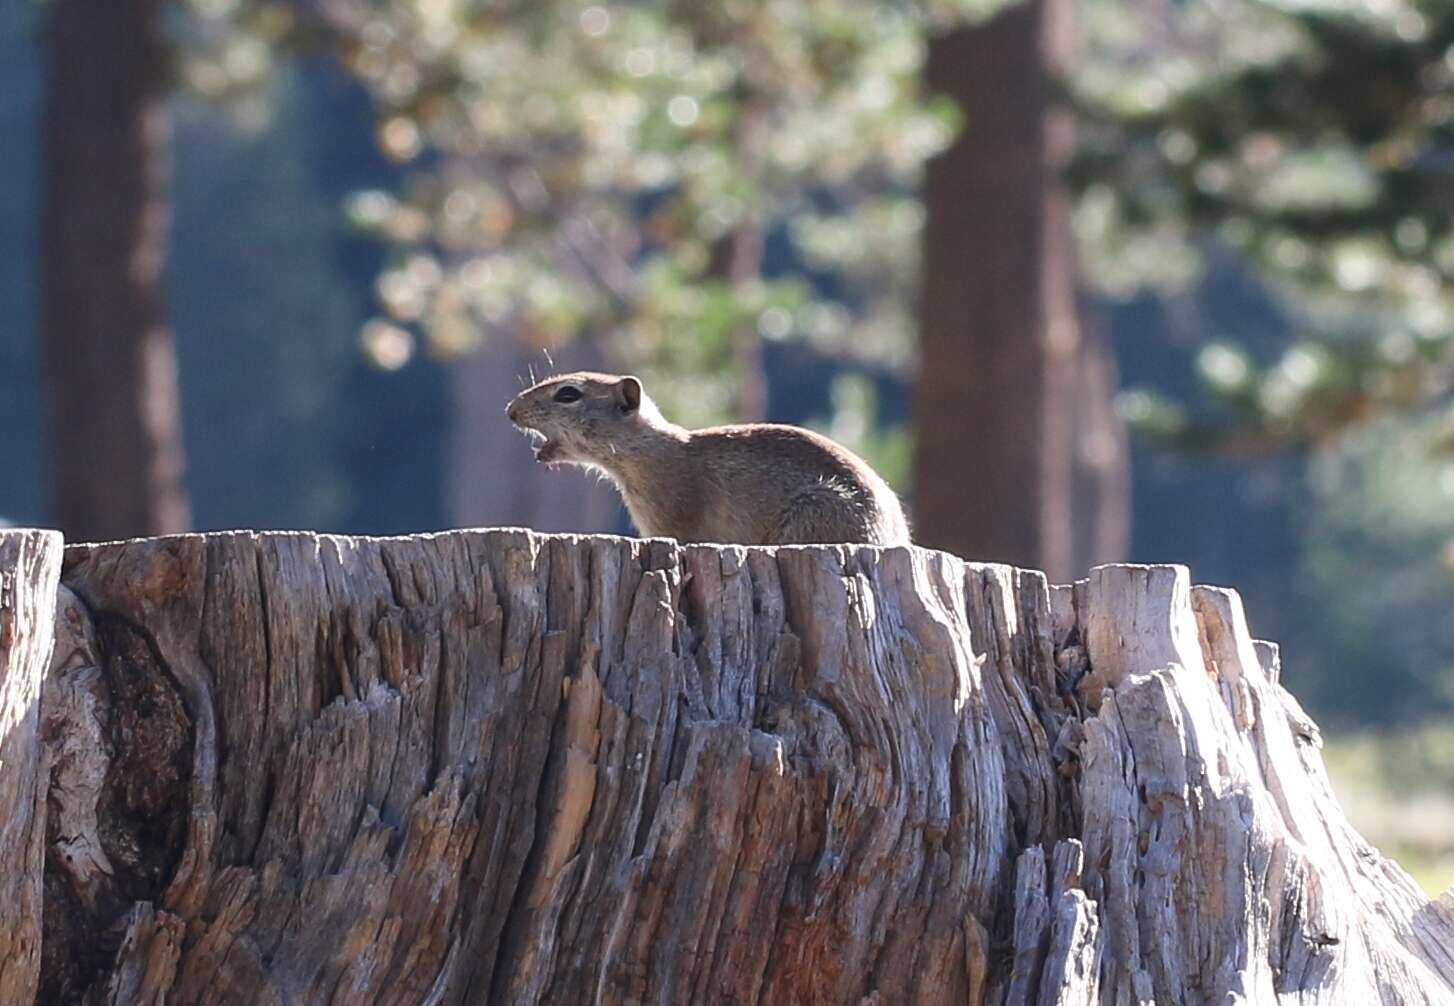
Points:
(512, 768)
(30, 564)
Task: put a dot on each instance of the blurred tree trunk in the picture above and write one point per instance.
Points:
(1013, 403)
(494, 479)
(746, 267)
(1101, 469)
(737, 260)
(110, 365)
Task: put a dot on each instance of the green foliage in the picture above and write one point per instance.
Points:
(1317, 140)
(1374, 577)
(648, 172)
(227, 51)
(1314, 142)
(856, 423)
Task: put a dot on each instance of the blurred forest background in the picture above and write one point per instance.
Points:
(1159, 280)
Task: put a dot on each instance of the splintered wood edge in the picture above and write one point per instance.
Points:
(1180, 709)
(30, 569)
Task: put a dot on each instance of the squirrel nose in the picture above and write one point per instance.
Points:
(513, 412)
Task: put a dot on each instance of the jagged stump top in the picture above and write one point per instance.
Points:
(504, 767)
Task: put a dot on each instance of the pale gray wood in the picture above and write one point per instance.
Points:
(30, 566)
(515, 768)
(76, 706)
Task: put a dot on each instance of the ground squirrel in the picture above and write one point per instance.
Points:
(752, 484)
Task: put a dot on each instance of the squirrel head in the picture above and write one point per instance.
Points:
(583, 418)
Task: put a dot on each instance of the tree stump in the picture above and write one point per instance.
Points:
(30, 563)
(512, 768)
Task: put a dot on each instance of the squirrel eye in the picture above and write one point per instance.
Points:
(567, 394)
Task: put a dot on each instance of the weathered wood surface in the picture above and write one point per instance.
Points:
(30, 566)
(500, 767)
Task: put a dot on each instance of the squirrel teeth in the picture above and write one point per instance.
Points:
(545, 448)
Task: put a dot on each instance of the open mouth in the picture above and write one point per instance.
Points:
(546, 450)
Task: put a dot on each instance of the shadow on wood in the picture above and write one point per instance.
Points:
(502, 767)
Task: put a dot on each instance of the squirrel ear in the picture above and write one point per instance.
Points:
(628, 394)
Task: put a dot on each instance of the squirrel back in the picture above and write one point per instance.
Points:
(748, 484)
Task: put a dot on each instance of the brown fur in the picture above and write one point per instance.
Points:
(752, 484)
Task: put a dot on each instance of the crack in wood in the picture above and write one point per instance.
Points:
(505, 767)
